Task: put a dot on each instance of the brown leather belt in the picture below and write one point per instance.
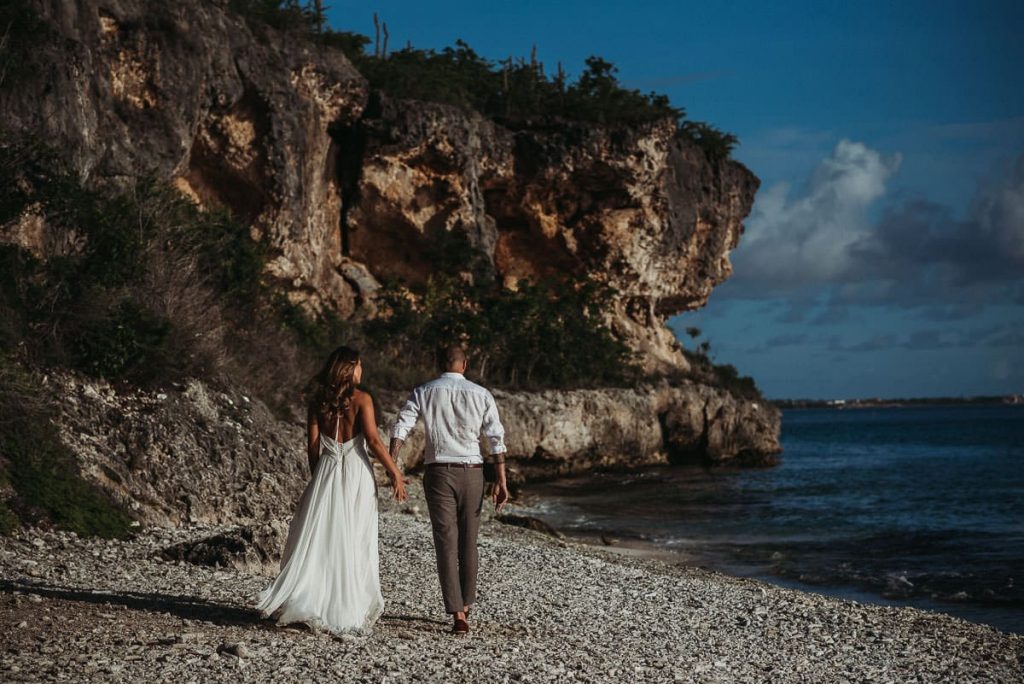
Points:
(455, 465)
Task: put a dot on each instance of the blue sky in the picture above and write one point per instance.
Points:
(885, 253)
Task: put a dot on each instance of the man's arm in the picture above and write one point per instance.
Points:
(404, 422)
(495, 433)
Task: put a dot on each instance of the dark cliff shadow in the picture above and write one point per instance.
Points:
(188, 607)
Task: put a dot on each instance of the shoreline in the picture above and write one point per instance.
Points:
(100, 610)
(639, 548)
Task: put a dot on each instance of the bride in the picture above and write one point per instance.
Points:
(329, 576)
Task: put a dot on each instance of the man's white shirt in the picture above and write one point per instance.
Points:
(455, 412)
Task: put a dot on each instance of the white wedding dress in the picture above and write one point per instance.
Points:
(330, 570)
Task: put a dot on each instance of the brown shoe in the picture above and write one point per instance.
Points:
(460, 626)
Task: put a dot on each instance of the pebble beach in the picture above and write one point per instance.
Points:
(548, 610)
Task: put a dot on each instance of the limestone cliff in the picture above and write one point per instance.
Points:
(636, 207)
(347, 187)
(184, 91)
(280, 132)
(556, 433)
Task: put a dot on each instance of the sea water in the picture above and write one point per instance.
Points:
(899, 505)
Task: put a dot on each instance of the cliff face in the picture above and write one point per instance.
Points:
(636, 207)
(184, 91)
(345, 194)
(348, 187)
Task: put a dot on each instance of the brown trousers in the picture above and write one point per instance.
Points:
(455, 497)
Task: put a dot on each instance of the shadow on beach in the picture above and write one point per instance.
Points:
(193, 607)
(187, 607)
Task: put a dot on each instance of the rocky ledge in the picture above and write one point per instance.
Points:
(555, 433)
(195, 454)
(111, 611)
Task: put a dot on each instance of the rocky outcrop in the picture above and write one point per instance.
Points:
(196, 455)
(253, 548)
(557, 433)
(182, 456)
(638, 208)
(185, 91)
(349, 187)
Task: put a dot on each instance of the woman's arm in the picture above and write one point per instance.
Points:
(368, 424)
(313, 439)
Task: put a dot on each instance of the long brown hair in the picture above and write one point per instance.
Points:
(334, 385)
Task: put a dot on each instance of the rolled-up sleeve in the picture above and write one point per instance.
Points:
(406, 419)
(492, 427)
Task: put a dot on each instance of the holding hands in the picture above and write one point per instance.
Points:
(398, 484)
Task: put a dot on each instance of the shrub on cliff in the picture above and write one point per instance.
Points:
(726, 376)
(148, 289)
(537, 335)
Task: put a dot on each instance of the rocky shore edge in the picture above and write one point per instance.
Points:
(195, 453)
(549, 609)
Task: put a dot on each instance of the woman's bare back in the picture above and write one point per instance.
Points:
(345, 426)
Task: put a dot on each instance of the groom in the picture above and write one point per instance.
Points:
(455, 412)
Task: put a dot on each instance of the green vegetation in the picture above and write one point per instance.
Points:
(140, 299)
(539, 335)
(283, 15)
(39, 469)
(517, 92)
(704, 369)
(546, 334)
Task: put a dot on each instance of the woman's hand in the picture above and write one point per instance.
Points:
(398, 483)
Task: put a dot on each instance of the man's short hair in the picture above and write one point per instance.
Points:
(448, 355)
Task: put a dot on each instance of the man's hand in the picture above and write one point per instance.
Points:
(500, 495)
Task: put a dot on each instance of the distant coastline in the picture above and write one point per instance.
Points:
(878, 402)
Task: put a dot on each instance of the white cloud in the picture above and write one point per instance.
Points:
(806, 239)
(824, 240)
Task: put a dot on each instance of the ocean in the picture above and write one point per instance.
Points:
(919, 506)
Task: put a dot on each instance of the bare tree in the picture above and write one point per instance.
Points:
(376, 35)
(318, 11)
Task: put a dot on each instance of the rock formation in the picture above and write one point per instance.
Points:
(188, 455)
(186, 92)
(636, 207)
(348, 188)
(200, 455)
(555, 433)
